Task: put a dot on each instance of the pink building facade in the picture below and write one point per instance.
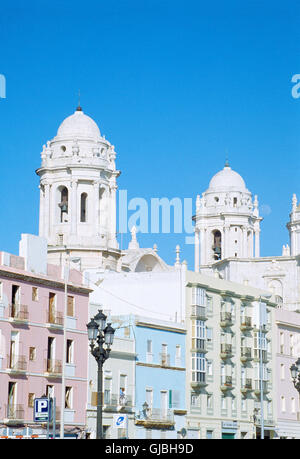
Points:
(32, 346)
(288, 351)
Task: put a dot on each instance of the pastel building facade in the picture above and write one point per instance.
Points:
(287, 352)
(223, 359)
(143, 380)
(160, 379)
(32, 341)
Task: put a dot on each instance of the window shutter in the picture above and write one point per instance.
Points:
(70, 309)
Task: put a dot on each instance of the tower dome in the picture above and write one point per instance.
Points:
(78, 126)
(227, 179)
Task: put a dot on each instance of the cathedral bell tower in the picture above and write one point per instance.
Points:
(78, 194)
(294, 227)
(227, 222)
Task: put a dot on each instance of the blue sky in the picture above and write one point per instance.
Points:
(173, 85)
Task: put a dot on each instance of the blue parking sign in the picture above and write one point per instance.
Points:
(42, 409)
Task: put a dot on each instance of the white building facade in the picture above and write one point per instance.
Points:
(227, 237)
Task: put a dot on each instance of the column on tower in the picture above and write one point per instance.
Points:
(42, 210)
(197, 251)
(47, 210)
(96, 184)
(257, 245)
(74, 219)
(113, 216)
(226, 241)
(244, 242)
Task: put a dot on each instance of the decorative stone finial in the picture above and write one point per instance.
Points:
(177, 262)
(133, 244)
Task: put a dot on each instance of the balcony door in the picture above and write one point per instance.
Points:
(164, 403)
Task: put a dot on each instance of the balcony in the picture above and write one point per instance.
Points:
(53, 368)
(116, 402)
(226, 383)
(246, 354)
(198, 312)
(260, 352)
(156, 419)
(246, 385)
(17, 364)
(198, 380)
(226, 319)
(246, 323)
(164, 359)
(18, 313)
(14, 414)
(55, 319)
(226, 351)
(257, 388)
(198, 345)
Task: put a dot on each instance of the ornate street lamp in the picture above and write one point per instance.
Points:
(295, 373)
(100, 334)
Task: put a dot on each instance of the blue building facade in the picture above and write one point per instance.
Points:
(160, 378)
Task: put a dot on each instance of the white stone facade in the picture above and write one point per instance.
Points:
(78, 193)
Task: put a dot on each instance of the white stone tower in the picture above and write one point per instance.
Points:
(294, 227)
(78, 194)
(227, 222)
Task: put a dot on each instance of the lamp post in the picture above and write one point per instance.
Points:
(295, 373)
(66, 276)
(262, 426)
(100, 334)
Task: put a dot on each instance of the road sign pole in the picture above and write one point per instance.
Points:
(54, 417)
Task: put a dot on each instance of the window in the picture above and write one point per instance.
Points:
(83, 207)
(12, 390)
(281, 343)
(107, 390)
(69, 353)
(50, 390)
(195, 400)
(282, 371)
(123, 389)
(198, 367)
(174, 398)
(149, 355)
(35, 294)
(209, 367)
(223, 403)
(178, 356)
(209, 402)
(165, 357)
(209, 434)
(68, 398)
(70, 308)
(52, 308)
(149, 398)
(31, 398)
(291, 345)
(283, 407)
(32, 353)
(15, 300)
(209, 334)
(63, 205)
(217, 245)
(293, 405)
(198, 296)
(198, 334)
(51, 354)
